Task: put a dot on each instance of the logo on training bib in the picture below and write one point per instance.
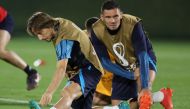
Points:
(119, 51)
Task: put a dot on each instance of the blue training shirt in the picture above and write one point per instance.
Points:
(64, 49)
(143, 51)
(105, 60)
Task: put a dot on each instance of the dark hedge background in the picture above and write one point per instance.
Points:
(163, 19)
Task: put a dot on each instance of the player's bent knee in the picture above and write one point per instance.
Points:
(65, 93)
(73, 91)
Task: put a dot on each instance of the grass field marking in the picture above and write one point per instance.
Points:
(25, 102)
(18, 102)
(13, 101)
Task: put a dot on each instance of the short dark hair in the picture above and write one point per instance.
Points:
(90, 21)
(109, 4)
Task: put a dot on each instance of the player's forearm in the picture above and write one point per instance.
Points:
(116, 69)
(57, 78)
(144, 69)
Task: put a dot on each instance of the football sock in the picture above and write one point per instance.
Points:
(157, 96)
(52, 108)
(110, 107)
(29, 70)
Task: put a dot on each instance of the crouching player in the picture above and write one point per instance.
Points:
(124, 37)
(75, 51)
(103, 93)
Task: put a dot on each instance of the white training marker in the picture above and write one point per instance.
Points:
(37, 62)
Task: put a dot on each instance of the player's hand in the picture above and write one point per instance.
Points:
(143, 91)
(46, 99)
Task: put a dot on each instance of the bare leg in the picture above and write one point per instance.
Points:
(9, 56)
(69, 93)
(134, 105)
(152, 74)
(145, 94)
(115, 102)
(101, 100)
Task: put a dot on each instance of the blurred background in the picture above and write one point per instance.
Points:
(163, 19)
(166, 21)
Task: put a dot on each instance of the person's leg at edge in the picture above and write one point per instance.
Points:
(12, 58)
(9, 56)
(69, 93)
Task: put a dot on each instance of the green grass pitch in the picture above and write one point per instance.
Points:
(173, 64)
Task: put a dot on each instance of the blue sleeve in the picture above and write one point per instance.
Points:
(63, 49)
(139, 44)
(103, 55)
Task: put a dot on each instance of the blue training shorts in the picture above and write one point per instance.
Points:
(88, 79)
(123, 88)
